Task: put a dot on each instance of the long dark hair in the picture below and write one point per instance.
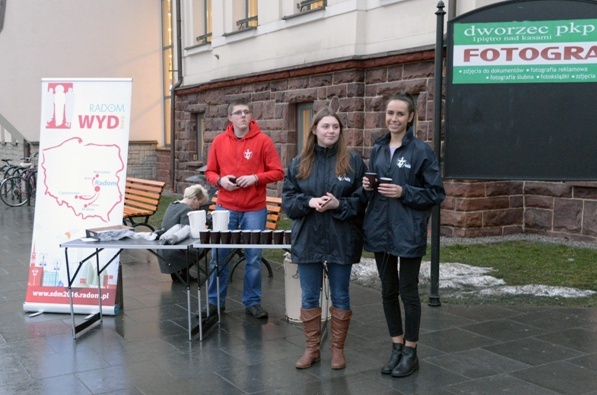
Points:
(308, 154)
(408, 99)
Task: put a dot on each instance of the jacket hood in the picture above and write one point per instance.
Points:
(385, 139)
(254, 130)
(319, 150)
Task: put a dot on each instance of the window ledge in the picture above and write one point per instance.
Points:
(298, 14)
(584, 184)
(237, 32)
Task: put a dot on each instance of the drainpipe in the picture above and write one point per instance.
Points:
(178, 46)
(452, 9)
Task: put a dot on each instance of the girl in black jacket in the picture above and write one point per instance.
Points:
(396, 225)
(319, 195)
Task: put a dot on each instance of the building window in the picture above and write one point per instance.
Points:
(202, 14)
(167, 65)
(311, 5)
(200, 134)
(246, 15)
(304, 118)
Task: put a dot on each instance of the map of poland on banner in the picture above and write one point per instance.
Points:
(82, 159)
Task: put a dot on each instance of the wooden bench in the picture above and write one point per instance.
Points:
(141, 200)
(274, 213)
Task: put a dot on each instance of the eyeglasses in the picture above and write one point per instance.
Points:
(241, 112)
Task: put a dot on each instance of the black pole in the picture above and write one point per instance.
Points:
(437, 143)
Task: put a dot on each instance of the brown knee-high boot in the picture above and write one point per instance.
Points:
(340, 323)
(312, 327)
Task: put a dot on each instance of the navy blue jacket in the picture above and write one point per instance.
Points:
(399, 226)
(335, 235)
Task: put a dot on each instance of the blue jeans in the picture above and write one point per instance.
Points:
(252, 278)
(311, 279)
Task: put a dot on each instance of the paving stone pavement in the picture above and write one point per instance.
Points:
(144, 350)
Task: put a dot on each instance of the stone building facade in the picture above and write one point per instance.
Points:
(357, 89)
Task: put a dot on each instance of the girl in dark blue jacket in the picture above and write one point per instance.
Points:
(320, 196)
(396, 225)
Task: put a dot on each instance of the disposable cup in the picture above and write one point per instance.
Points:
(278, 237)
(214, 237)
(372, 177)
(204, 236)
(255, 237)
(235, 236)
(225, 236)
(245, 237)
(266, 237)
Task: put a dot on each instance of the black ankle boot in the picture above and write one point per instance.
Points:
(408, 363)
(394, 358)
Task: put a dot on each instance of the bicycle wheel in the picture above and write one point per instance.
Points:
(14, 191)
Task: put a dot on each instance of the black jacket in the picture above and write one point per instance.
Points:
(399, 226)
(334, 236)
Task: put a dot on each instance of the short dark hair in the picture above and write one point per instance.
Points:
(238, 102)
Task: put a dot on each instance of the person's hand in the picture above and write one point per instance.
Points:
(246, 181)
(227, 183)
(367, 184)
(327, 202)
(390, 190)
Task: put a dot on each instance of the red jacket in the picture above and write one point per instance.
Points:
(255, 153)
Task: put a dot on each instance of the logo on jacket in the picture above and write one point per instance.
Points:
(248, 154)
(401, 162)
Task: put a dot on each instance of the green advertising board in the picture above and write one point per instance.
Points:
(521, 88)
(551, 51)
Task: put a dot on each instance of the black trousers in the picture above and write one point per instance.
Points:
(400, 282)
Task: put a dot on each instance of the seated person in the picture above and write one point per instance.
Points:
(193, 198)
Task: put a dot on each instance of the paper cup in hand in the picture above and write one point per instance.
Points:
(372, 177)
(385, 180)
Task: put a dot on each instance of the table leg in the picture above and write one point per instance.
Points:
(70, 294)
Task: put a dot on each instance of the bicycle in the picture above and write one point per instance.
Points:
(9, 169)
(19, 188)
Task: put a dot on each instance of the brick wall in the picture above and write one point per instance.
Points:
(556, 209)
(564, 210)
(358, 91)
(14, 152)
(142, 160)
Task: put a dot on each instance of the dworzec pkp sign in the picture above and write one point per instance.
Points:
(554, 51)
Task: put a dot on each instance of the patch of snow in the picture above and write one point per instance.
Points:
(466, 279)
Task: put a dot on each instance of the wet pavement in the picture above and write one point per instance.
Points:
(145, 350)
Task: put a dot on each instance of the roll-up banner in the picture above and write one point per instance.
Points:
(82, 160)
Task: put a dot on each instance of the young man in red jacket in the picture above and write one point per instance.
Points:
(241, 162)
